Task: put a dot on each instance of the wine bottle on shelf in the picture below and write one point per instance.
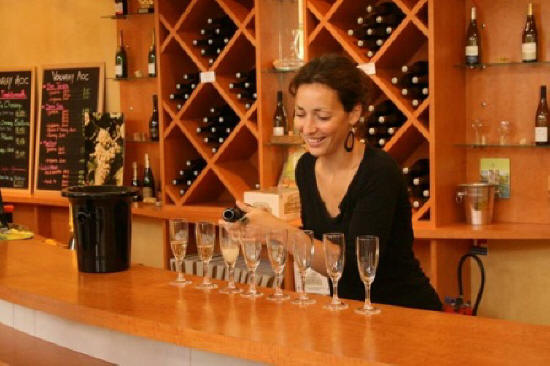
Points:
(121, 62)
(367, 21)
(152, 58)
(473, 41)
(383, 108)
(279, 117)
(419, 67)
(220, 110)
(135, 182)
(204, 129)
(187, 173)
(220, 21)
(419, 191)
(384, 8)
(529, 39)
(121, 7)
(419, 167)
(148, 180)
(370, 43)
(421, 180)
(416, 92)
(192, 77)
(420, 80)
(370, 53)
(195, 164)
(154, 120)
(390, 20)
(246, 75)
(393, 119)
(245, 85)
(418, 202)
(186, 87)
(217, 30)
(245, 94)
(403, 81)
(210, 51)
(180, 96)
(182, 191)
(542, 119)
(381, 130)
(379, 31)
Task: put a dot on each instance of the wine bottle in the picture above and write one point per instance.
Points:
(246, 75)
(245, 94)
(419, 67)
(121, 7)
(148, 180)
(417, 92)
(541, 119)
(279, 117)
(218, 30)
(221, 128)
(187, 174)
(420, 80)
(379, 31)
(220, 21)
(381, 130)
(233, 214)
(180, 95)
(393, 119)
(192, 77)
(152, 59)
(473, 41)
(182, 191)
(186, 87)
(194, 164)
(206, 128)
(418, 202)
(421, 180)
(135, 182)
(370, 43)
(529, 39)
(210, 51)
(390, 20)
(419, 167)
(383, 108)
(419, 191)
(121, 63)
(214, 140)
(403, 81)
(246, 85)
(383, 8)
(154, 120)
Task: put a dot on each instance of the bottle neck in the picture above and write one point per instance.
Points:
(530, 10)
(473, 14)
(120, 40)
(147, 167)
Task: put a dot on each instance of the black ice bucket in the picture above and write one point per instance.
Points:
(102, 226)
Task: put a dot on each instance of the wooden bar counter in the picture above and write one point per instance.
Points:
(141, 302)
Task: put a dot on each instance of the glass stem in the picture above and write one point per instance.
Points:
(179, 269)
(335, 299)
(252, 288)
(368, 304)
(206, 278)
(278, 279)
(231, 283)
(303, 295)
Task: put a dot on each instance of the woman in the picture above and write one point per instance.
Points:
(348, 187)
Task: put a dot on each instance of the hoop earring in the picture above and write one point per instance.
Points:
(350, 137)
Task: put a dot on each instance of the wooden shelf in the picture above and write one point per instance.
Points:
(502, 64)
(499, 230)
(286, 140)
(125, 16)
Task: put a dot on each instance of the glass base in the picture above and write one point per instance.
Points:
(303, 302)
(336, 307)
(230, 290)
(206, 286)
(278, 297)
(367, 311)
(180, 283)
(251, 295)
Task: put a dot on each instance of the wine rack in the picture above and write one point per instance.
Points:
(235, 165)
(327, 24)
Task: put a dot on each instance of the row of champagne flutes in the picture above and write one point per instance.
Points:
(249, 239)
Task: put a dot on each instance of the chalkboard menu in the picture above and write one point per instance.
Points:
(66, 94)
(16, 124)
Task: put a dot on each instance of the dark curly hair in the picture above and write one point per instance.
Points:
(340, 74)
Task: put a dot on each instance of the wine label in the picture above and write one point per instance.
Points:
(472, 51)
(541, 134)
(152, 69)
(529, 51)
(278, 131)
(119, 8)
(147, 192)
(118, 70)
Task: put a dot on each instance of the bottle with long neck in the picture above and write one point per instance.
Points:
(148, 180)
(473, 41)
(529, 39)
(154, 120)
(541, 119)
(279, 117)
(135, 181)
(121, 63)
(152, 59)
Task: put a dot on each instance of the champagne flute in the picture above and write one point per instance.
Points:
(276, 250)
(229, 246)
(303, 249)
(179, 237)
(334, 245)
(205, 234)
(251, 246)
(366, 248)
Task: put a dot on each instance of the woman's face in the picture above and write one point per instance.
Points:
(321, 119)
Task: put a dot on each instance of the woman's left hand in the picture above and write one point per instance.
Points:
(260, 216)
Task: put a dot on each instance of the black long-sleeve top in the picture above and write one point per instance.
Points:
(375, 203)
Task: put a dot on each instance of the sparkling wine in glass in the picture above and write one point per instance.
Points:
(251, 246)
(303, 248)
(366, 248)
(229, 246)
(179, 237)
(276, 251)
(205, 235)
(334, 245)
